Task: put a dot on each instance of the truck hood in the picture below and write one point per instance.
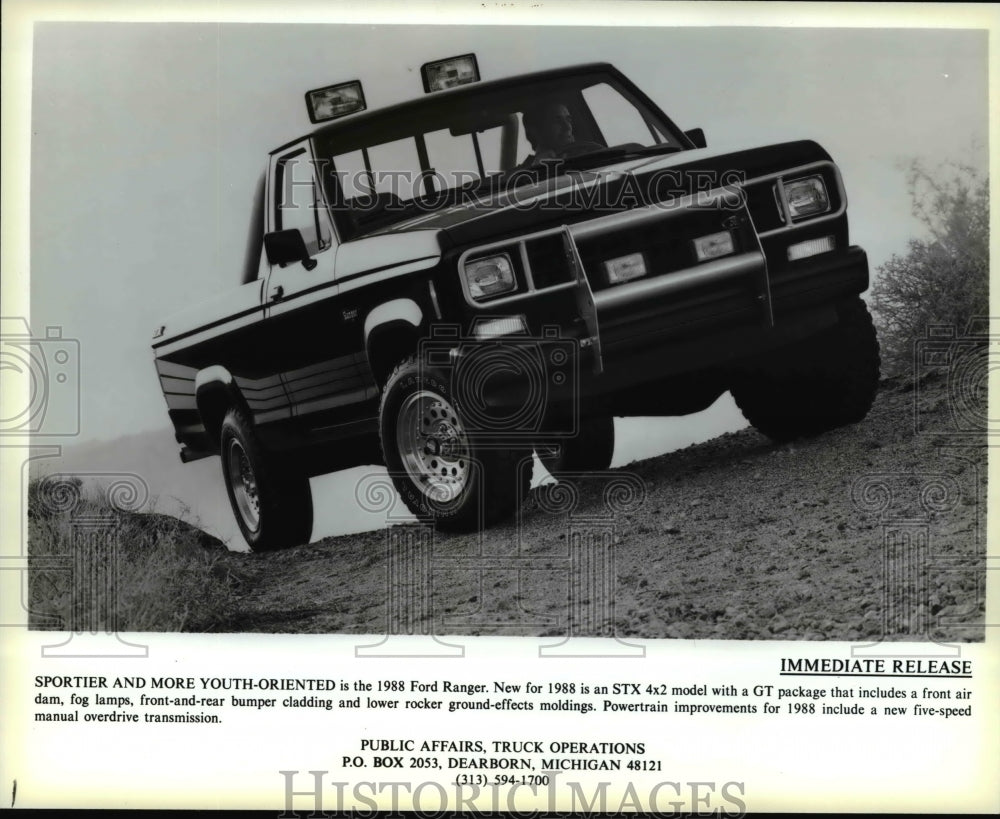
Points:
(576, 195)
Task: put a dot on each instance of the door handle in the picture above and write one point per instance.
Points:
(277, 292)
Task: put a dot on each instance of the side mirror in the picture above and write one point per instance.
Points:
(697, 136)
(287, 246)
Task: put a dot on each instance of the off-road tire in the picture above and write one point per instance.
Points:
(272, 504)
(488, 485)
(590, 451)
(824, 384)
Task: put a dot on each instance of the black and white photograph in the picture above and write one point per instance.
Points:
(421, 333)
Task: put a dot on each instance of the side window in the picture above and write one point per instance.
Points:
(298, 204)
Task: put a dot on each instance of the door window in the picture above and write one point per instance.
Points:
(298, 203)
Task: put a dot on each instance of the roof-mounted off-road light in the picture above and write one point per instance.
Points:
(335, 101)
(448, 73)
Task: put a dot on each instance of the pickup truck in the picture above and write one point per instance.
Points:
(442, 287)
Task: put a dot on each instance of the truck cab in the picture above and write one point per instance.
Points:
(495, 270)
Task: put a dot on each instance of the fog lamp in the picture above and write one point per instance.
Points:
(713, 246)
(625, 268)
(812, 247)
(500, 326)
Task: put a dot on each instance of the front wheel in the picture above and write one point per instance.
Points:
(590, 450)
(439, 470)
(825, 384)
(272, 505)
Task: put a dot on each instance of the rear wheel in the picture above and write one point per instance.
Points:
(439, 470)
(826, 384)
(590, 451)
(272, 505)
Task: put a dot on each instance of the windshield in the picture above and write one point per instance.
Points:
(451, 149)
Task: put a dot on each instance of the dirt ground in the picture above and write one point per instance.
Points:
(874, 531)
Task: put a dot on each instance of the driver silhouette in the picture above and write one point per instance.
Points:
(549, 129)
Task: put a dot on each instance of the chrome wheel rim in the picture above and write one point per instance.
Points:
(433, 446)
(243, 482)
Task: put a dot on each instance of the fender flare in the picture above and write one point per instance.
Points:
(216, 374)
(397, 323)
(406, 310)
(214, 391)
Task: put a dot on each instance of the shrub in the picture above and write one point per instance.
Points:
(941, 279)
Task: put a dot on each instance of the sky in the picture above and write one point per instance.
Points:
(146, 140)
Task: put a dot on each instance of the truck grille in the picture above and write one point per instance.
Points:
(666, 244)
(763, 208)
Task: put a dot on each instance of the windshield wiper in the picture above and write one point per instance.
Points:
(599, 156)
(587, 160)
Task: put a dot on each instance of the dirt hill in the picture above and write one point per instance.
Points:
(874, 530)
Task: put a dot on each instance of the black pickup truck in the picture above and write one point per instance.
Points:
(445, 287)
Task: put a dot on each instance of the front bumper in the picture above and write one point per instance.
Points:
(707, 318)
(725, 310)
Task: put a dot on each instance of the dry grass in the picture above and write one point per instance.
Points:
(95, 568)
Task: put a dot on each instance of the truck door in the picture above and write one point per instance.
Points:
(301, 305)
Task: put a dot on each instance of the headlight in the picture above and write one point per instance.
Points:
(489, 277)
(806, 197)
